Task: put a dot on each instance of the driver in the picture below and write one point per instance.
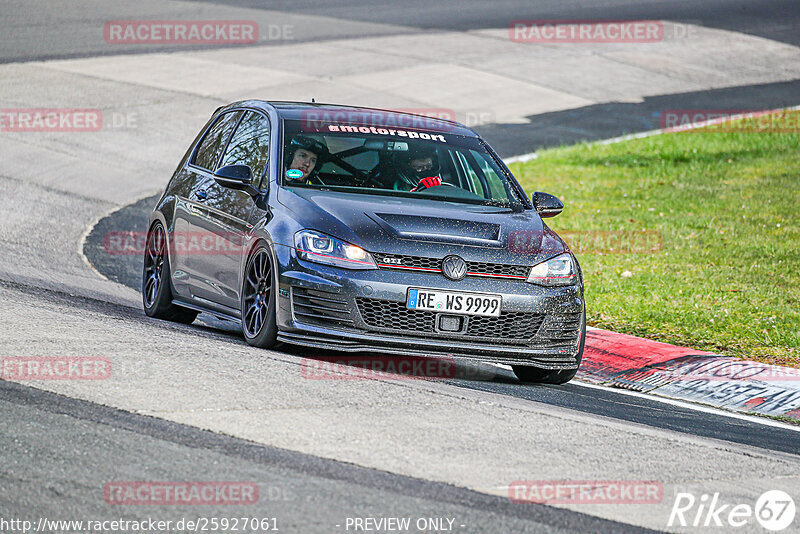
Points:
(306, 155)
(418, 170)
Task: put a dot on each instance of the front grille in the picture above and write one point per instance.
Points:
(560, 328)
(392, 316)
(474, 268)
(321, 308)
(511, 325)
(498, 269)
(418, 262)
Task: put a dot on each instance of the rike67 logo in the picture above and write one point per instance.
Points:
(774, 510)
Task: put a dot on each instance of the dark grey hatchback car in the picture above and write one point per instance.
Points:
(356, 229)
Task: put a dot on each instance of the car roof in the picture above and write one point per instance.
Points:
(335, 114)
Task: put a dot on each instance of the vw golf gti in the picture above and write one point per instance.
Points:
(355, 229)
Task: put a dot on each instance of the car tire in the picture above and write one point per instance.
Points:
(537, 375)
(156, 288)
(258, 299)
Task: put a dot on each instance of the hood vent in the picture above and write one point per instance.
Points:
(420, 227)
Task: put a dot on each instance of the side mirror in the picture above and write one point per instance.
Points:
(238, 177)
(546, 204)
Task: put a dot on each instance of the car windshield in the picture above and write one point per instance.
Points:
(408, 163)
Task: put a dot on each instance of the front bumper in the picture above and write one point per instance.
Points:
(364, 311)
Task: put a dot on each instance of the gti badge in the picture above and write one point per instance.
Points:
(454, 267)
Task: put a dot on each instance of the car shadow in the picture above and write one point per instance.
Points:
(325, 364)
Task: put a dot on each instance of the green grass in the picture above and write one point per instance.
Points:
(725, 208)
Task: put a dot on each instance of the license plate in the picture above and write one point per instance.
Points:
(456, 302)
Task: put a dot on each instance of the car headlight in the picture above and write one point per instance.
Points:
(558, 271)
(321, 248)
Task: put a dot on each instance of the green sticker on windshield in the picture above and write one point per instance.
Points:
(294, 174)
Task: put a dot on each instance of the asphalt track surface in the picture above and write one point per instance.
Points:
(59, 450)
(76, 36)
(126, 269)
(301, 492)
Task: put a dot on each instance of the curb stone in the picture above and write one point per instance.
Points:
(630, 362)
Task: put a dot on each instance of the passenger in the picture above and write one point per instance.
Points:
(306, 155)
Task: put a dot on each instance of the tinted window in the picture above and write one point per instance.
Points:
(356, 158)
(213, 143)
(249, 144)
(484, 166)
(392, 162)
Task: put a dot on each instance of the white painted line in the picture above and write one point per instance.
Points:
(522, 158)
(82, 242)
(89, 227)
(721, 120)
(690, 406)
(681, 404)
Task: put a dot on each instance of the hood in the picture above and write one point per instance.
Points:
(423, 227)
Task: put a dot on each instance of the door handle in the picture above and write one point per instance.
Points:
(201, 194)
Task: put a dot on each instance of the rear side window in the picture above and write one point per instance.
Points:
(213, 143)
(249, 145)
